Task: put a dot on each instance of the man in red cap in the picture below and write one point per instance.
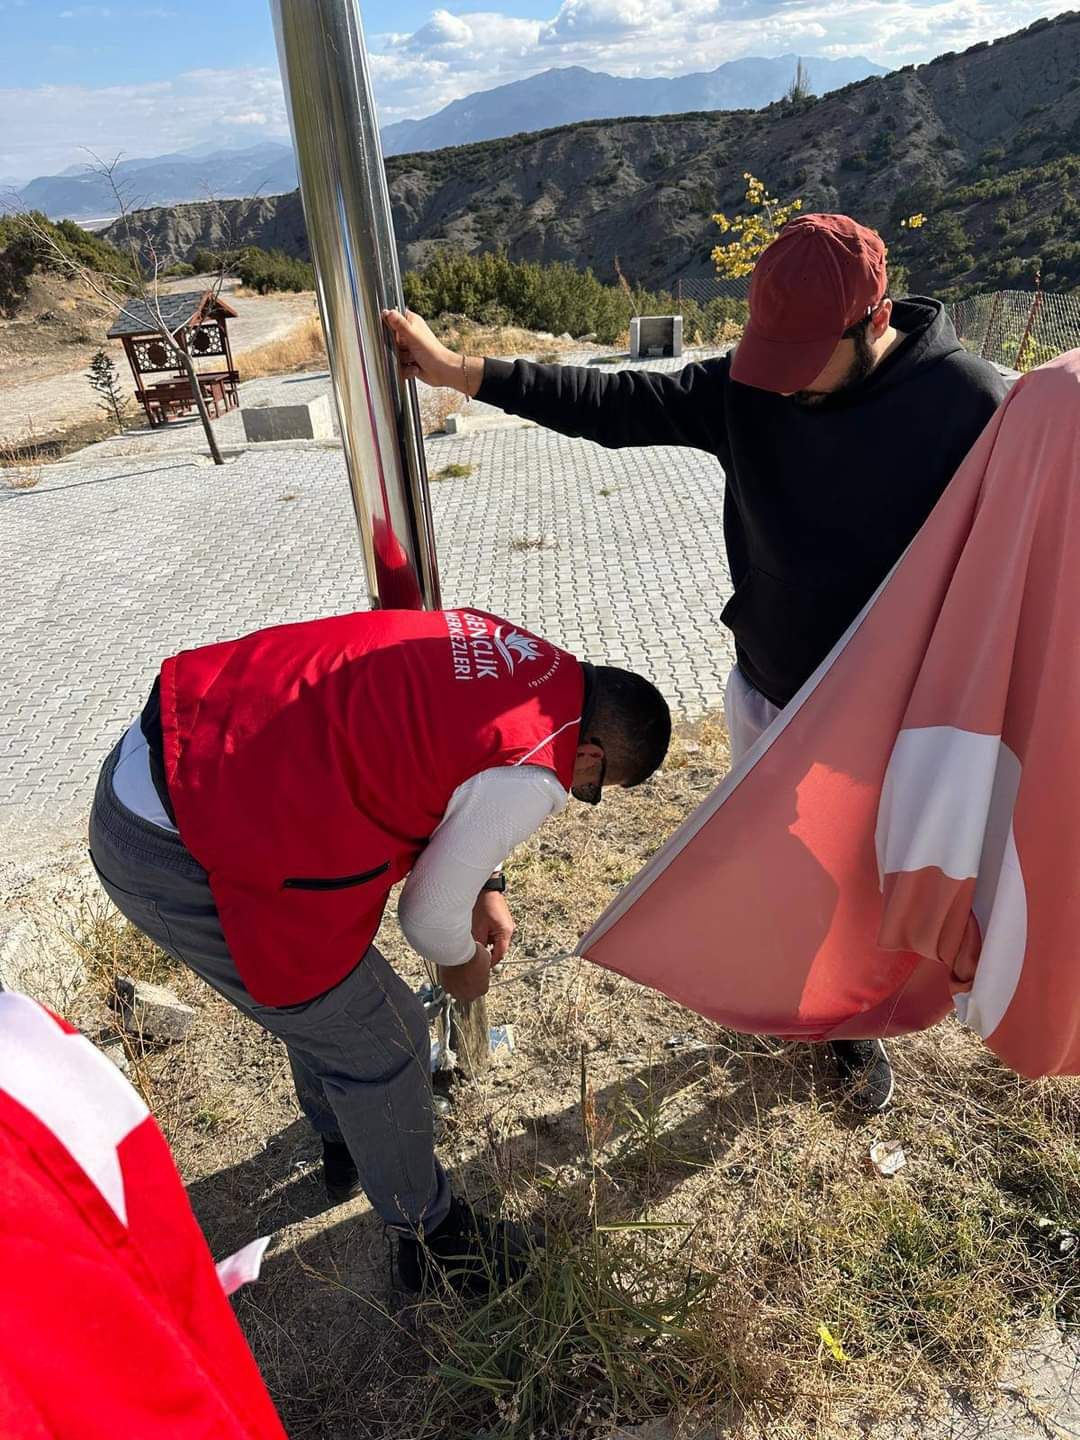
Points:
(839, 420)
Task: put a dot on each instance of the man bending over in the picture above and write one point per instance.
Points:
(254, 819)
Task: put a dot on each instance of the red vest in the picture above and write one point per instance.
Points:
(308, 766)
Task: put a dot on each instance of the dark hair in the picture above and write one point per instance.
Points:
(631, 720)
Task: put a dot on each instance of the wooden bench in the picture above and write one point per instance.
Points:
(172, 397)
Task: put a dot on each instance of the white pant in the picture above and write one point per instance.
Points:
(747, 713)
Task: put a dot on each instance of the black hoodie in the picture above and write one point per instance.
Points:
(821, 501)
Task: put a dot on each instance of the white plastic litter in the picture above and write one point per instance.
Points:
(501, 1041)
(888, 1158)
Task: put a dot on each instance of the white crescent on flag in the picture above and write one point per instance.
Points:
(908, 830)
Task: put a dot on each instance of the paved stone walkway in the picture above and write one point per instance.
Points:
(109, 564)
(34, 393)
(186, 434)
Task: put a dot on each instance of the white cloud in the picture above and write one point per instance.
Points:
(451, 55)
(581, 20)
(50, 127)
(442, 32)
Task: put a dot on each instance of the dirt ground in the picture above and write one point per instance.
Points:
(44, 351)
(719, 1246)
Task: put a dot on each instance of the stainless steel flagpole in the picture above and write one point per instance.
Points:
(350, 231)
(324, 69)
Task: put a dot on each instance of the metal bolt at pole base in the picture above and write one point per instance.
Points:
(324, 70)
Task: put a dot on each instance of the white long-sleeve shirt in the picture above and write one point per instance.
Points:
(487, 817)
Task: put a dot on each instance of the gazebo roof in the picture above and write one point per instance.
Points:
(192, 307)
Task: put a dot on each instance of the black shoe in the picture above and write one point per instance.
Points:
(339, 1172)
(468, 1251)
(865, 1073)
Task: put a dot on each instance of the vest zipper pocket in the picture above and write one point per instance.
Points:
(340, 882)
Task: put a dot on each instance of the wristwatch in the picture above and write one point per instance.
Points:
(496, 883)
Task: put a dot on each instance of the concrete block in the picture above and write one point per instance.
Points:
(656, 336)
(465, 424)
(309, 421)
(152, 1011)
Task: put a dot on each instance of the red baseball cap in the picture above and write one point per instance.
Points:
(819, 276)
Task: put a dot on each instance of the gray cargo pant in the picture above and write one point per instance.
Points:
(359, 1053)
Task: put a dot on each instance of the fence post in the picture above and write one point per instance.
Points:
(995, 311)
(1032, 312)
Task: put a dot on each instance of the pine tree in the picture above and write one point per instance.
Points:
(104, 379)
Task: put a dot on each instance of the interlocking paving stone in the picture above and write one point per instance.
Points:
(113, 562)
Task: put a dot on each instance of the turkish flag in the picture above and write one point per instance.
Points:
(113, 1319)
(906, 835)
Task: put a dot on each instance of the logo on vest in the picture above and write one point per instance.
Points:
(477, 654)
(521, 646)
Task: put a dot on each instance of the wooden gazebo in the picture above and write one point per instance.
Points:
(198, 323)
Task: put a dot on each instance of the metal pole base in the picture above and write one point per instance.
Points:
(470, 1036)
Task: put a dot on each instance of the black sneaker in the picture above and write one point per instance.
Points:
(865, 1073)
(468, 1251)
(339, 1172)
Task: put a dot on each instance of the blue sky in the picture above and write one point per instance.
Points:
(144, 78)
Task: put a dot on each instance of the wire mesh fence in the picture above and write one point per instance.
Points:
(713, 309)
(702, 289)
(1018, 328)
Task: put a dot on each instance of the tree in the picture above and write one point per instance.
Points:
(118, 286)
(18, 258)
(753, 232)
(105, 381)
(799, 89)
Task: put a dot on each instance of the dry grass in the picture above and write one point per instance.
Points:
(303, 348)
(467, 337)
(708, 1202)
(20, 466)
(37, 450)
(728, 333)
(437, 405)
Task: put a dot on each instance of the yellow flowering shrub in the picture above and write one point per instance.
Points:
(753, 232)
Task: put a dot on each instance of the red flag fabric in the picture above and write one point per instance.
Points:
(113, 1319)
(907, 833)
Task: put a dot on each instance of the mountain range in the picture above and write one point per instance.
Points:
(986, 143)
(81, 193)
(563, 96)
(553, 97)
